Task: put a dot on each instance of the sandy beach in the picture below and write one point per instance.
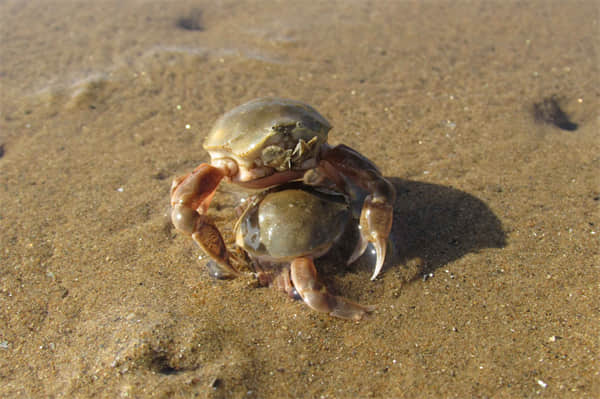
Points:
(485, 115)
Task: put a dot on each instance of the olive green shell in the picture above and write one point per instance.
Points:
(243, 131)
(293, 222)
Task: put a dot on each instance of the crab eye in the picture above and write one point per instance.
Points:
(299, 124)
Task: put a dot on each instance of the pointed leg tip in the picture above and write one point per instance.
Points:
(222, 272)
(367, 313)
(348, 310)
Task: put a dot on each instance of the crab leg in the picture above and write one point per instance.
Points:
(304, 277)
(343, 165)
(190, 199)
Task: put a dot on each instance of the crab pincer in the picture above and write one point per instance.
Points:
(345, 166)
(190, 199)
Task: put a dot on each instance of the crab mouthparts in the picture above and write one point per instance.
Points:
(282, 159)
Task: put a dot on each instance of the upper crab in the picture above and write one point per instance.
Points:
(265, 137)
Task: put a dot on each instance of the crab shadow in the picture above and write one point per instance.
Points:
(439, 224)
(433, 226)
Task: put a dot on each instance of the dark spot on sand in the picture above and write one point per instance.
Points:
(1, 150)
(160, 363)
(162, 175)
(549, 111)
(192, 21)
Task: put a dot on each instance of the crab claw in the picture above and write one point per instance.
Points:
(375, 226)
(190, 199)
(345, 167)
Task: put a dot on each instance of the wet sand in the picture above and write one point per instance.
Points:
(492, 287)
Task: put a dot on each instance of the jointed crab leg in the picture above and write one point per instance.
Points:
(304, 278)
(190, 198)
(342, 163)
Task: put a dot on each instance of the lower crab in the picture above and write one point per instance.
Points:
(283, 230)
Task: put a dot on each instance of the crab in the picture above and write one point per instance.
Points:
(267, 142)
(282, 231)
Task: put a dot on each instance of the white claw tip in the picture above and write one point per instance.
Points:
(378, 268)
(380, 250)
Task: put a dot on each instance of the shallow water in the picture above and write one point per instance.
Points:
(491, 290)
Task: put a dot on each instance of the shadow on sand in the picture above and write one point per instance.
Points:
(438, 225)
(433, 226)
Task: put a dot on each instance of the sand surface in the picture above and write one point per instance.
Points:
(492, 286)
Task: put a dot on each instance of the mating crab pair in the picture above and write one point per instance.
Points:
(267, 142)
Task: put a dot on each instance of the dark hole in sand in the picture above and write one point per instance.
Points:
(160, 364)
(192, 22)
(161, 175)
(549, 111)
